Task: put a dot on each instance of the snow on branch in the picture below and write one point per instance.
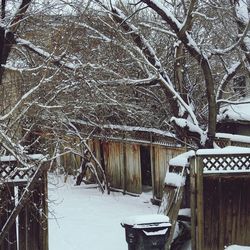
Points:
(126, 128)
(227, 77)
(101, 35)
(192, 128)
(150, 81)
(181, 102)
(182, 32)
(196, 13)
(9, 67)
(24, 97)
(242, 38)
(151, 58)
(19, 15)
(39, 51)
(180, 29)
(234, 102)
(58, 61)
(16, 150)
(140, 41)
(162, 30)
(242, 11)
(163, 11)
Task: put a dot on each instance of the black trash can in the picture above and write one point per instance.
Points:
(146, 232)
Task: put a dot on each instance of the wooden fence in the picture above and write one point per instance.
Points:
(220, 199)
(30, 230)
(128, 163)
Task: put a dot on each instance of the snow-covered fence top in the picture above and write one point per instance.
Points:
(11, 170)
(226, 160)
(220, 160)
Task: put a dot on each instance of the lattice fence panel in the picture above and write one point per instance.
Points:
(227, 163)
(11, 171)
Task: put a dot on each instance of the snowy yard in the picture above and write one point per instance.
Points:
(81, 217)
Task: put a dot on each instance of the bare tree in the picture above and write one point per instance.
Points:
(165, 65)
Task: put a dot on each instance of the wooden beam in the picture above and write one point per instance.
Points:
(200, 212)
(193, 201)
(152, 164)
(124, 179)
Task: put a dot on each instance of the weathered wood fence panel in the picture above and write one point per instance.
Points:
(133, 168)
(121, 161)
(114, 159)
(6, 206)
(160, 163)
(161, 157)
(226, 211)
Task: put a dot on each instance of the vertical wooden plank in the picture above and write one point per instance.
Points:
(124, 181)
(227, 215)
(228, 194)
(247, 200)
(193, 201)
(10, 242)
(215, 215)
(240, 222)
(118, 156)
(105, 152)
(235, 213)
(43, 190)
(246, 193)
(160, 168)
(95, 147)
(7, 204)
(113, 155)
(152, 163)
(222, 213)
(162, 156)
(207, 213)
(200, 212)
(2, 208)
(33, 221)
(211, 213)
(133, 168)
(23, 225)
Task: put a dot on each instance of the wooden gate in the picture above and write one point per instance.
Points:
(220, 191)
(30, 228)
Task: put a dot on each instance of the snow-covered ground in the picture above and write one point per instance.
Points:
(81, 217)
(235, 247)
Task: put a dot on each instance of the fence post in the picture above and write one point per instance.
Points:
(193, 201)
(200, 212)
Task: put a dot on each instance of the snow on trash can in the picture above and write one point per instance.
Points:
(146, 232)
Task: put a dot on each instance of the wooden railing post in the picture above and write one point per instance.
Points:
(200, 207)
(193, 201)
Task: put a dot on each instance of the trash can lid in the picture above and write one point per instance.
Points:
(148, 220)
